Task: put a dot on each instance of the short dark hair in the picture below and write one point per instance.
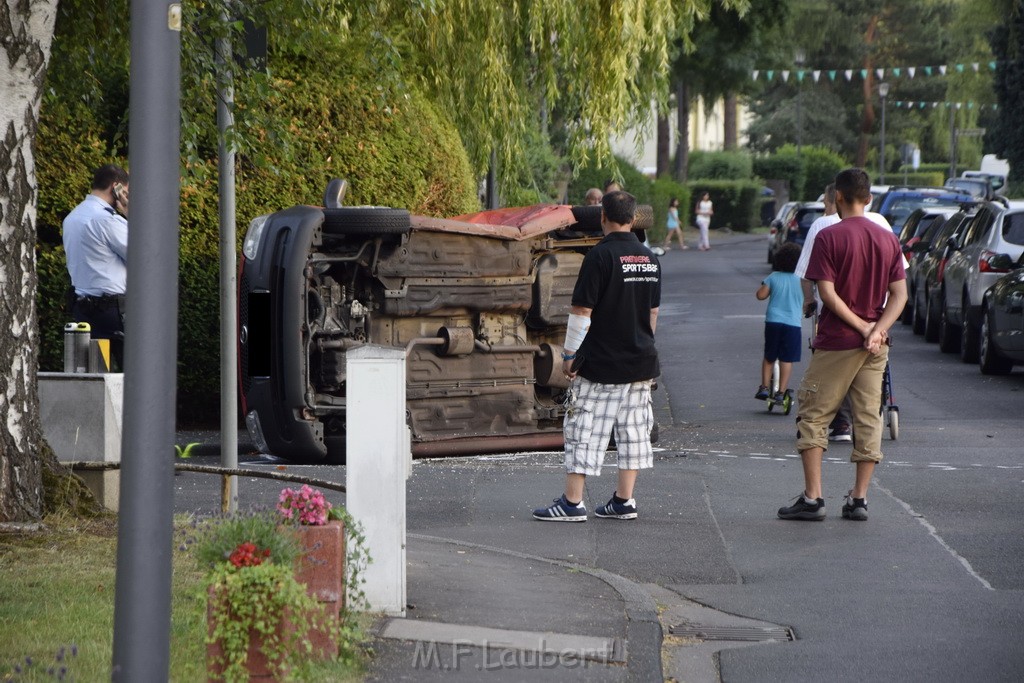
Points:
(786, 257)
(611, 181)
(853, 183)
(619, 207)
(105, 176)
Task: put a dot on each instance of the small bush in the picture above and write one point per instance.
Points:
(821, 165)
(919, 179)
(720, 166)
(737, 202)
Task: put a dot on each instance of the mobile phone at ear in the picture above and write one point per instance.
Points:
(117, 191)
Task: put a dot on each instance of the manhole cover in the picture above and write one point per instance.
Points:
(739, 633)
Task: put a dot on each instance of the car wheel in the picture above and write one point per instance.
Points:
(770, 256)
(931, 322)
(990, 360)
(366, 221)
(918, 312)
(949, 334)
(968, 339)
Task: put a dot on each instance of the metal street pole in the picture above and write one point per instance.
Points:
(142, 591)
(952, 140)
(883, 91)
(228, 276)
(799, 60)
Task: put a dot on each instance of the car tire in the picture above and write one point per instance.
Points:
(918, 313)
(990, 361)
(931, 322)
(969, 339)
(368, 221)
(949, 334)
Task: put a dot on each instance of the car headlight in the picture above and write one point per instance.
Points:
(251, 245)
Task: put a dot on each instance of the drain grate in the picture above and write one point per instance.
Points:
(737, 633)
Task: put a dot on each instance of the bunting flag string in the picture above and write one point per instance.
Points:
(905, 104)
(879, 72)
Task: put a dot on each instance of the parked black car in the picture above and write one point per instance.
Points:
(1001, 336)
(921, 228)
(928, 274)
(793, 225)
(899, 202)
(479, 303)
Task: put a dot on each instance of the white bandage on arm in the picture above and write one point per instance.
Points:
(575, 332)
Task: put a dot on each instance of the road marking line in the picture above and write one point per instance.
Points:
(935, 534)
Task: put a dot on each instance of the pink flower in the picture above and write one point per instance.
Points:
(307, 504)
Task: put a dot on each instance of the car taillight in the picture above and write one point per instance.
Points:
(773, 230)
(985, 263)
(793, 225)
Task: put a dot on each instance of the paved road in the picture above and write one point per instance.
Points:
(929, 589)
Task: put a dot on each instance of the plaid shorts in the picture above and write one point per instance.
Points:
(594, 411)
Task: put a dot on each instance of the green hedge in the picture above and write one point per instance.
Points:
(720, 166)
(937, 167)
(783, 165)
(662, 191)
(737, 202)
(332, 125)
(920, 178)
(821, 165)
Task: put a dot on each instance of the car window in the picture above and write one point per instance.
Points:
(979, 227)
(807, 217)
(928, 226)
(901, 207)
(1013, 228)
(910, 227)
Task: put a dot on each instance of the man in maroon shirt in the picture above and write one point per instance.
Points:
(862, 283)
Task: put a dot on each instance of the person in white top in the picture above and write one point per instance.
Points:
(704, 210)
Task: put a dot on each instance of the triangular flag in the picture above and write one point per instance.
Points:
(848, 73)
(785, 76)
(928, 71)
(922, 105)
(959, 104)
(959, 68)
(832, 74)
(974, 66)
(800, 76)
(970, 105)
(770, 74)
(992, 66)
(911, 70)
(880, 73)
(816, 74)
(755, 73)
(942, 69)
(934, 105)
(896, 71)
(864, 74)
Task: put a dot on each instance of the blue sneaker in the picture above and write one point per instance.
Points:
(613, 510)
(561, 511)
(762, 393)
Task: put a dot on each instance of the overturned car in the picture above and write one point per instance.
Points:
(479, 302)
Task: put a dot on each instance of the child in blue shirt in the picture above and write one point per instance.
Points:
(781, 321)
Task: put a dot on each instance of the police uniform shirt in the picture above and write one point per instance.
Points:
(96, 245)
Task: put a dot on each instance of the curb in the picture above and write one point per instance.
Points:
(643, 627)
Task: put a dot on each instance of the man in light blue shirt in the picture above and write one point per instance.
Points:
(96, 246)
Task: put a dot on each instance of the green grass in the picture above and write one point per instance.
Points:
(57, 591)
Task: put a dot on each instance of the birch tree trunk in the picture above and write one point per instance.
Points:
(26, 31)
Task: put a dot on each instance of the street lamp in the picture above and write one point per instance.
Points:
(883, 91)
(799, 58)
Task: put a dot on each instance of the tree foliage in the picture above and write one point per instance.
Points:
(1006, 136)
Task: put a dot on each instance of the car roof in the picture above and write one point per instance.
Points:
(940, 192)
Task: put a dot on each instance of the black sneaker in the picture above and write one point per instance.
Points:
(613, 510)
(561, 511)
(762, 393)
(855, 508)
(802, 510)
(841, 433)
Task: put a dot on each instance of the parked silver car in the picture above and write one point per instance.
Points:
(995, 229)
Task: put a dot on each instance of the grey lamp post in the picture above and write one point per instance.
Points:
(883, 91)
(798, 59)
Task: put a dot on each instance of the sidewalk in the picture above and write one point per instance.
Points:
(475, 608)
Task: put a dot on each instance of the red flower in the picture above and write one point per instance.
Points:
(248, 555)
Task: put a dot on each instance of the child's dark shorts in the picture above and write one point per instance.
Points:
(781, 343)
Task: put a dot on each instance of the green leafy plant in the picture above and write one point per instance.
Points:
(253, 593)
(185, 452)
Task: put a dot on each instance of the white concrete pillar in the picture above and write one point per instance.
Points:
(379, 460)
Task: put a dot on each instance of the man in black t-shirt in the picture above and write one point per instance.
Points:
(611, 359)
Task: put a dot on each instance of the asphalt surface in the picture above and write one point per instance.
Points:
(928, 589)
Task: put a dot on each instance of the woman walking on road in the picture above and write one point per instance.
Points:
(704, 210)
(672, 226)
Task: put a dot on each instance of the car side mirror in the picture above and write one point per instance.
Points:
(951, 244)
(1001, 262)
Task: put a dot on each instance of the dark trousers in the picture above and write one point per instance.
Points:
(105, 316)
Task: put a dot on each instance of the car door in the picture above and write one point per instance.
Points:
(958, 267)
